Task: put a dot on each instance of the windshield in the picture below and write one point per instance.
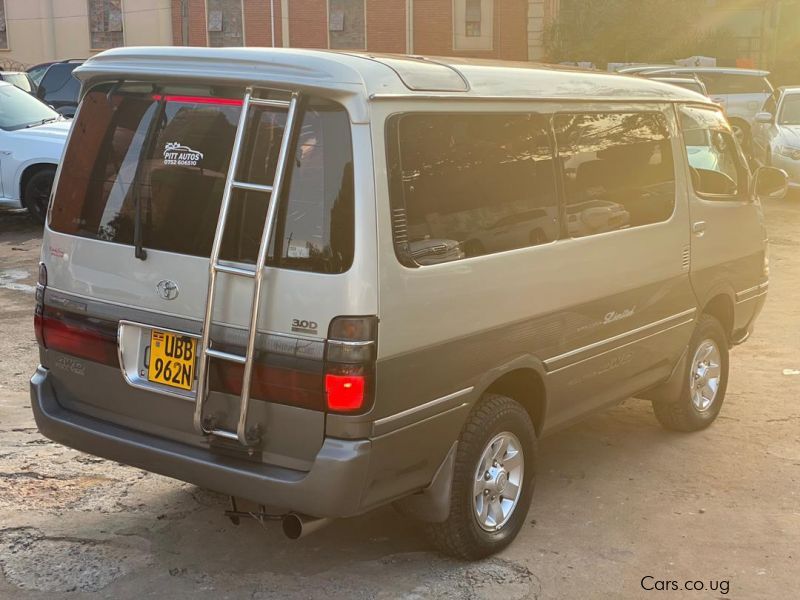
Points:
(19, 109)
(18, 79)
(790, 111)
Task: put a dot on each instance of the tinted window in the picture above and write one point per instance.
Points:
(790, 110)
(466, 185)
(725, 83)
(714, 158)
(771, 105)
(58, 84)
(618, 170)
(170, 154)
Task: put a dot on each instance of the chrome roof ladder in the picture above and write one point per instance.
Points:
(206, 350)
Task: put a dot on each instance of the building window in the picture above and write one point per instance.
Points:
(3, 30)
(473, 24)
(225, 23)
(347, 25)
(473, 18)
(105, 24)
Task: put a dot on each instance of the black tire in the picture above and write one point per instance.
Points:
(36, 195)
(460, 535)
(683, 414)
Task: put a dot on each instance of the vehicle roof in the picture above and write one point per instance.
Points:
(789, 89)
(722, 70)
(372, 75)
(678, 79)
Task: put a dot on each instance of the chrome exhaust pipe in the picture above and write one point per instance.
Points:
(296, 525)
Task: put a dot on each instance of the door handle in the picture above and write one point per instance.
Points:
(699, 228)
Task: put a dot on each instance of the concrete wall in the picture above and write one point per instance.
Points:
(44, 30)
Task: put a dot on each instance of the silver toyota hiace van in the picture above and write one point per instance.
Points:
(325, 282)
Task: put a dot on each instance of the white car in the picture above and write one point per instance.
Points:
(740, 93)
(776, 134)
(32, 138)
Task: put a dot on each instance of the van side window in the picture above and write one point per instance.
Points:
(618, 170)
(465, 185)
(716, 168)
(170, 154)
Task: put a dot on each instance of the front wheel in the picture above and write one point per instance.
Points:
(36, 195)
(705, 381)
(493, 481)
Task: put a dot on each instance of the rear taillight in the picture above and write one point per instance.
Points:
(77, 335)
(38, 311)
(270, 383)
(350, 364)
(344, 393)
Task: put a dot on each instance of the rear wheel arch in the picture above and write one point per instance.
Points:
(721, 308)
(526, 386)
(29, 171)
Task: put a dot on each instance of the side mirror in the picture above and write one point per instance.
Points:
(770, 183)
(764, 117)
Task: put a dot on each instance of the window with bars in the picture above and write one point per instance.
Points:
(105, 24)
(346, 24)
(473, 18)
(225, 23)
(3, 26)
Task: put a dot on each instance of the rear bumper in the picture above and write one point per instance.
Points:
(333, 487)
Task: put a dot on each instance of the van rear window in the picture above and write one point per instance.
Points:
(169, 152)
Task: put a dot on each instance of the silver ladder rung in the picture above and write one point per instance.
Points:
(252, 187)
(235, 358)
(268, 102)
(235, 271)
(224, 433)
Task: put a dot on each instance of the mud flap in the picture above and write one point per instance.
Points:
(432, 504)
(671, 389)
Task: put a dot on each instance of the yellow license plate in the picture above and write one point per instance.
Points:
(172, 359)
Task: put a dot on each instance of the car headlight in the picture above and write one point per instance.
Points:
(789, 152)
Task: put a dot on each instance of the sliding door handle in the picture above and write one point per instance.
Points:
(699, 228)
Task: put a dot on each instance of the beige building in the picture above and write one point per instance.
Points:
(34, 31)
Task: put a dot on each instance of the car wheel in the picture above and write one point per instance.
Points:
(493, 481)
(705, 381)
(36, 195)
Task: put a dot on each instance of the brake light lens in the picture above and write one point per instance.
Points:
(199, 100)
(78, 335)
(345, 392)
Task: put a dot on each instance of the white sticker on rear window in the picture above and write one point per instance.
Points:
(176, 153)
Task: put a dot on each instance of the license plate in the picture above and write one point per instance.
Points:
(172, 359)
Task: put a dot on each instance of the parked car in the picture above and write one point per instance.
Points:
(364, 374)
(776, 134)
(19, 79)
(32, 138)
(36, 72)
(740, 93)
(515, 230)
(636, 69)
(59, 88)
(688, 83)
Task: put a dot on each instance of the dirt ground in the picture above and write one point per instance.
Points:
(618, 498)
